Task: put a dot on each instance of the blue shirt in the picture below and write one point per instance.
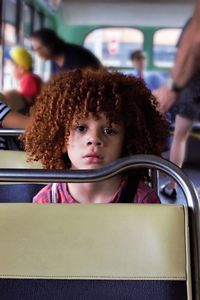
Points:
(153, 79)
(76, 57)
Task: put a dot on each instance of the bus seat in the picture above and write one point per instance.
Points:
(17, 160)
(17, 192)
(87, 252)
(112, 251)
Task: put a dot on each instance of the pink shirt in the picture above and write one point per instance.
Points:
(144, 194)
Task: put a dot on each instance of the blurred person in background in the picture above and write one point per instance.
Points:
(16, 102)
(28, 83)
(187, 97)
(187, 63)
(10, 119)
(153, 80)
(185, 70)
(64, 56)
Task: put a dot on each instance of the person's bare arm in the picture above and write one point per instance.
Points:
(187, 62)
(188, 57)
(15, 120)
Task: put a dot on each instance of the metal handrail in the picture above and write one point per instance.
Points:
(114, 168)
(11, 131)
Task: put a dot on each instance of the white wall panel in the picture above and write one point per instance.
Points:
(126, 13)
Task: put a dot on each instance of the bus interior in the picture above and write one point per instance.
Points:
(111, 30)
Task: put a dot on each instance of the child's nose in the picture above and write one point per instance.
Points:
(94, 139)
(94, 142)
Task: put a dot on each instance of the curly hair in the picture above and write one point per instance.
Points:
(74, 94)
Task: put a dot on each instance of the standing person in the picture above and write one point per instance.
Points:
(188, 110)
(153, 80)
(64, 56)
(87, 119)
(29, 84)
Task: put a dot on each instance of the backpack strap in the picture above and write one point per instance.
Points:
(128, 194)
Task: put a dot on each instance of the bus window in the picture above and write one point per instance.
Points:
(9, 34)
(41, 67)
(8, 82)
(38, 20)
(9, 23)
(27, 24)
(164, 46)
(114, 45)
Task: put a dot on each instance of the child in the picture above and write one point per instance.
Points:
(29, 84)
(87, 119)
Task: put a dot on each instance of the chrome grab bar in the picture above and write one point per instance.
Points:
(11, 131)
(106, 172)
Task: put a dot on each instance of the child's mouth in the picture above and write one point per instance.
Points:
(93, 158)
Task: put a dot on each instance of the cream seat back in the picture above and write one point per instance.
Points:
(16, 160)
(122, 251)
(17, 192)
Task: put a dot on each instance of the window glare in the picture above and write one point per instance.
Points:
(114, 45)
(164, 46)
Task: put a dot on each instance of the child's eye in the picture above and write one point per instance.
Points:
(80, 128)
(109, 131)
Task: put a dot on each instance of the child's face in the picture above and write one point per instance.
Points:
(139, 63)
(93, 143)
(40, 49)
(15, 70)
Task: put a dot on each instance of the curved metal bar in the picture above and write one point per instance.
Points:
(110, 170)
(114, 168)
(11, 132)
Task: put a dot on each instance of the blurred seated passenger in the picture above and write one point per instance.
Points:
(16, 102)
(10, 119)
(64, 56)
(95, 118)
(153, 79)
(29, 84)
